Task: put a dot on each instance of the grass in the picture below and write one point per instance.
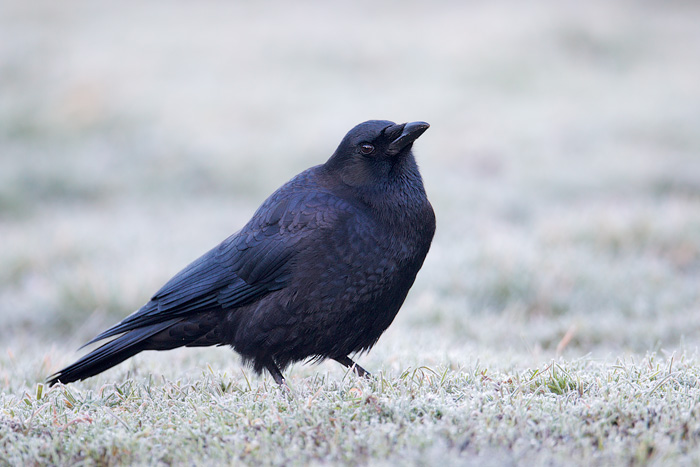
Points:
(627, 412)
(556, 319)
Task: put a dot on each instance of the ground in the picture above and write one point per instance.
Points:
(556, 319)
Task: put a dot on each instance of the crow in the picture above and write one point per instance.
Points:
(320, 271)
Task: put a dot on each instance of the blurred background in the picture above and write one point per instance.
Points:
(563, 162)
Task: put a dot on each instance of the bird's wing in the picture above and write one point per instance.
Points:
(244, 267)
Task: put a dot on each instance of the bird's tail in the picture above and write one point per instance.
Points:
(112, 353)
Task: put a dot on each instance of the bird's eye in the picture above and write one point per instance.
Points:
(367, 148)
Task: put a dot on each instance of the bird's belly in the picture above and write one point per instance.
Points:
(347, 309)
(340, 300)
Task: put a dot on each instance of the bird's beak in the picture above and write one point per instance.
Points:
(409, 133)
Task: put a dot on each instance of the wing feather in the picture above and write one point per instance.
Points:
(243, 268)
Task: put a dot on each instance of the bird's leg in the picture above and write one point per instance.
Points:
(347, 362)
(275, 372)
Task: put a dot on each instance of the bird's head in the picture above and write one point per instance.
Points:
(375, 151)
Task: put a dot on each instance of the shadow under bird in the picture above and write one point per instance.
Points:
(320, 271)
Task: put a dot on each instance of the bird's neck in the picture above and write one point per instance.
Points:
(400, 201)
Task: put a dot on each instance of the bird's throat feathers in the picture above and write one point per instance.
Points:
(397, 198)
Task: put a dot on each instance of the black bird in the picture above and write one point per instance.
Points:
(320, 271)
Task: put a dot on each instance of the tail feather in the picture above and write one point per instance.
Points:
(110, 354)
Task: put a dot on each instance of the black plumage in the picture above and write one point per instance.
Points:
(320, 271)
